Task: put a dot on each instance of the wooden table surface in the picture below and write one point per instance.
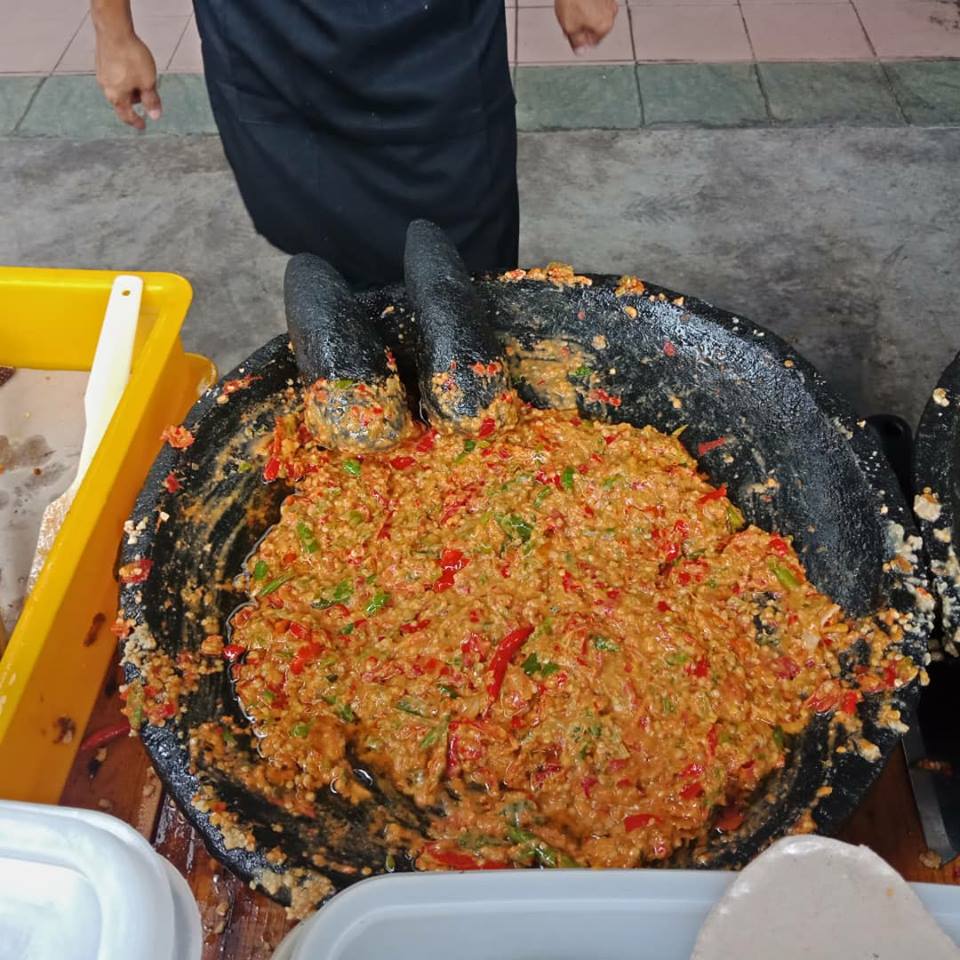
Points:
(240, 924)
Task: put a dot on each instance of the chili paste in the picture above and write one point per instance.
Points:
(557, 638)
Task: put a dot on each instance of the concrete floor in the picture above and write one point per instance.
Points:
(845, 241)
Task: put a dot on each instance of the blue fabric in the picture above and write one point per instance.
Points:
(345, 119)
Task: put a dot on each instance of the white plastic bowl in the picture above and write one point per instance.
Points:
(531, 915)
(79, 885)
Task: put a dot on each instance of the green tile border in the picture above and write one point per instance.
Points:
(578, 98)
(854, 94)
(614, 97)
(73, 107)
(701, 94)
(16, 95)
(928, 91)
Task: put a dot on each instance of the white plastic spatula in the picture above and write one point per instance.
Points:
(813, 898)
(108, 378)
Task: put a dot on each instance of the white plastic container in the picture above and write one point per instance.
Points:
(532, 915)
(78, 885)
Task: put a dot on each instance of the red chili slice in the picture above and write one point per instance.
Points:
(103, 736)
(232, 386)
(488, 426)
(671, 553)
(699, 668)
(692, 791)
(637, 821)
(463, 861)
(547, 770)
(272, 469)
(299, 631)
(171, 482)
(502, 656)
(717, 494)
(729, 819)
(785, 668)
(453, 560)
(178, 437)
(135, 572)
(401, 463)
(569, 584)
(824, 699)
(779, 546)
(849, 701)
(451, 563)
(425, 443)
(232, 651)
(709, 445)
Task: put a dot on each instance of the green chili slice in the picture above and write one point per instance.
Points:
(516, 528)
(307, 539)
(433, 736)
(380, 599)
(273, 585)
(784, 575)
(407, 706)
(602, 643)
(342, 592)
(540, 497)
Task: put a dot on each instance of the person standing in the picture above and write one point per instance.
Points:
(343, 120)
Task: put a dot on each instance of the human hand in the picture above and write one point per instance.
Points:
(127, 75)
(585, 22)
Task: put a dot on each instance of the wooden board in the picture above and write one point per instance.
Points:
(240, 924)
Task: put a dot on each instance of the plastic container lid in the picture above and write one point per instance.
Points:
(532, 915)
(79, 885)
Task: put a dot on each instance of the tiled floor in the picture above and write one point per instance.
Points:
(55, 36)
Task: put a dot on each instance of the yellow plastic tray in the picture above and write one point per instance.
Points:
(58, 653)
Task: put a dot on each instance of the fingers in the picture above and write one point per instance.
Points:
(586, 22)
(123, 106)
(582, 40)
(126, 114)
(151, 103)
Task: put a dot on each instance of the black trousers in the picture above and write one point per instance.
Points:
(346, 190)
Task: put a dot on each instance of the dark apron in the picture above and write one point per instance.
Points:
(343, 120)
